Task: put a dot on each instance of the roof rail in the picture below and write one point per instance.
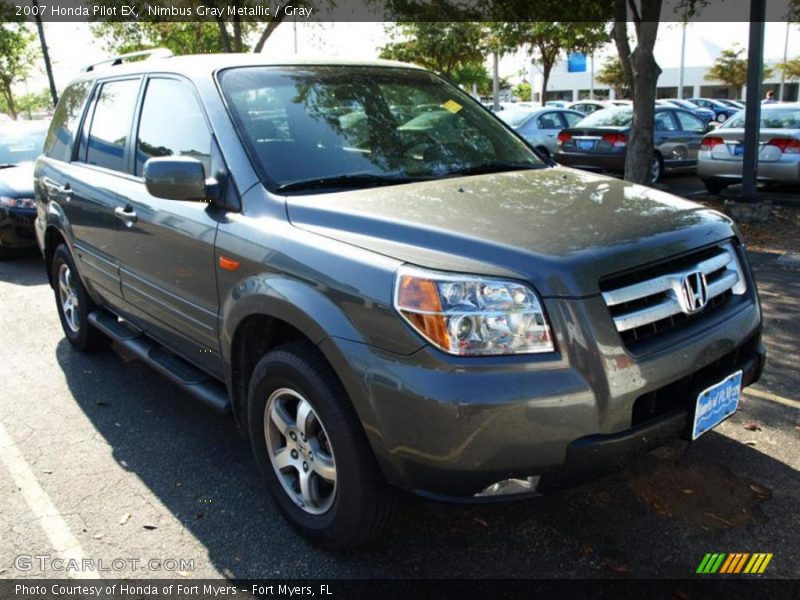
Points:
(118, 60)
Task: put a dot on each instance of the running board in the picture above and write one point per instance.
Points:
(185, 375)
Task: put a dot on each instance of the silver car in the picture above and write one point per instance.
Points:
(719, 162)
(540, 127)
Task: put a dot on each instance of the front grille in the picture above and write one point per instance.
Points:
(682, 394)
(654, 299)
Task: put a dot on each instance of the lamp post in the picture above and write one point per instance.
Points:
(752, 111)
(683, 55)
(45, 53)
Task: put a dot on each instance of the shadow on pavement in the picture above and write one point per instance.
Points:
(641, 522)
(24, 267)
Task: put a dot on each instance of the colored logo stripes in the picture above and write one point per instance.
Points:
(735, 562)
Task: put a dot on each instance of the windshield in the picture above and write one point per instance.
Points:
(772, 118)
(608, 117)
(514, 118)
(363, 125)
(21, 142)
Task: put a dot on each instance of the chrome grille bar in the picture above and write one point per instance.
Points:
(730, 277)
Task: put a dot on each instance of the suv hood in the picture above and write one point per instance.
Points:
(561, 229)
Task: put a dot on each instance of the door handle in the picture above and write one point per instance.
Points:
(127, 215)
(63, 191)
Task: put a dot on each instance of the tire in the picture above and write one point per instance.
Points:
(74, 304)
(656, 168)
(356, 507)
(714, 186)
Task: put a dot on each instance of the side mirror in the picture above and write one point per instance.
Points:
(710, 127)
(177, 178)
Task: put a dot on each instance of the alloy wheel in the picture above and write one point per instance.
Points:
(300, 451)
(68, 295)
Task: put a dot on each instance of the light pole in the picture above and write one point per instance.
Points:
(785, 57)
(45, 53)
(752, 110)
(683, 55)
(591, 76)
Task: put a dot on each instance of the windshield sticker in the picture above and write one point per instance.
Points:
(452, 106)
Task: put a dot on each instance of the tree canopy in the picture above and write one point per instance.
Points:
(17, 54)
(730, 68)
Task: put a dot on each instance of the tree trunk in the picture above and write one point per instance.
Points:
(644, 73)
(237, 34)
(9, 96)
(268, 30)
(545, 78)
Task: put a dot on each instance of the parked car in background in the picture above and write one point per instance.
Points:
(587, 107)
(540, 127)
(557, 103)
(704, 113)
(722, 112)
(600, 141)
(733, 103)
(719, 163)
(20, 143)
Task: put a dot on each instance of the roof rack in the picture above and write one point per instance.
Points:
(118, 60)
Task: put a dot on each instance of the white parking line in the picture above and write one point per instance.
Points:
(772, 397)
(55, 528)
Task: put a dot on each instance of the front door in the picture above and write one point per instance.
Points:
(166, 247)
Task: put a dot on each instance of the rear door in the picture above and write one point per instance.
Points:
(693, 129)
(89, 187)
(549, 124)
(667, 137)
(166, 247)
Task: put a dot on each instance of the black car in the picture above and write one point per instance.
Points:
(20, 144)
(600, 141)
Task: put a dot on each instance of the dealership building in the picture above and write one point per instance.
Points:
(572, 78)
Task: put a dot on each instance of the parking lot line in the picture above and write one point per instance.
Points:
(52, 523)
(772, 397)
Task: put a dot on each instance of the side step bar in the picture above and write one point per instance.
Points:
(202, 386)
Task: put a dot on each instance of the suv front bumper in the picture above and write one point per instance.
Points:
(450, 427)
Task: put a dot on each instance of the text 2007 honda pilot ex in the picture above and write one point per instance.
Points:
(385, 285)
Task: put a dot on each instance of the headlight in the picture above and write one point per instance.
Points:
(17, 202)
(468, 315)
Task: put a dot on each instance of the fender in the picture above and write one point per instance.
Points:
(287, 299)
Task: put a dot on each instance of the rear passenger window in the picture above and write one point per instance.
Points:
(690, 122)
(111, 124)
(172, 124)
(61, 135)
(664, 122)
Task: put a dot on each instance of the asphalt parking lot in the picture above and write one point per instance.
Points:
(103, 459)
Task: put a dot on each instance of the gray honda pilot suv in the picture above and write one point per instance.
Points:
(385, 285)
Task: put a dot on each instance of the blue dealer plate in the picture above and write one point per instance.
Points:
(585, 144)
(716, 403)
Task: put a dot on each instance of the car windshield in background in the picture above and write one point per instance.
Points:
(514, 118)
(608, 117)
(771, 118)
(364, 126)
(21, 142)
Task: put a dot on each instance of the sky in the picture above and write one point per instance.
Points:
(73, 46)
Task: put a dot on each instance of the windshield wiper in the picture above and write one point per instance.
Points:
(497, 166)
(353, 180)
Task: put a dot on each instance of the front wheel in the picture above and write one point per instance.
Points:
(74, 304)
(312, 451)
